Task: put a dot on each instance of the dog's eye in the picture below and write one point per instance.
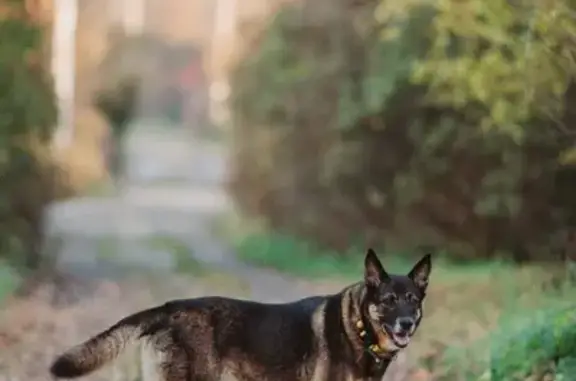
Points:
(390, 299)
(411, 298)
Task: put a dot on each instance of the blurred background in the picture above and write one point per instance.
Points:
(160, 149)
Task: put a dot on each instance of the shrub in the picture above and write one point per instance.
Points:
(27, 119)
(413, 127)
(544, 342)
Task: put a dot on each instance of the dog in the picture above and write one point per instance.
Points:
(351, 335)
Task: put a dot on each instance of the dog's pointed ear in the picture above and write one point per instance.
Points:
(421, 272)
(374, 273)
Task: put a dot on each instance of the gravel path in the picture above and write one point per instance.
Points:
(172, 193)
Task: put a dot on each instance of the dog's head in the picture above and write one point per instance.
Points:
(393, 303)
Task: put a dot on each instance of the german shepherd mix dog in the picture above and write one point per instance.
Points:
(352, 335)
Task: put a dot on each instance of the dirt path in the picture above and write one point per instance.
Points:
(151, 242)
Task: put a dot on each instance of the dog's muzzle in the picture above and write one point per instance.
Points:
(402, 331)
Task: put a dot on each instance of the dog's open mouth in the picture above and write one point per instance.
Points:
(400, 339)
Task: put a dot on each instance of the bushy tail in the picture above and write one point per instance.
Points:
(104, 347)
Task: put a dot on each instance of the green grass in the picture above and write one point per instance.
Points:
(307, 260)
(531, 343)
(527, 344)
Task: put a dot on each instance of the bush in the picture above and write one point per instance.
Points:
(411, 128)
(542, 343)
(27, 120)
(530, 344)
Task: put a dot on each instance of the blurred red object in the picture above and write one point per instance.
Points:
(191, 76)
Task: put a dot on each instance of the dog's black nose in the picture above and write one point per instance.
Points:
(405, 324)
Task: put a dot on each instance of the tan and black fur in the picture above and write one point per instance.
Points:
(352, 335)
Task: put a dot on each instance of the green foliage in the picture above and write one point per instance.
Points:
(388, 67)
(296, 61)
(512, 59)
(291, 255)
(27, 114)
(26, 95)
(285, 72)
(532, 341)
(309, 260)
(541, 342)
(431, 123)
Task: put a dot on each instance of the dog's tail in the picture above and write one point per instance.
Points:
(106, 346)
